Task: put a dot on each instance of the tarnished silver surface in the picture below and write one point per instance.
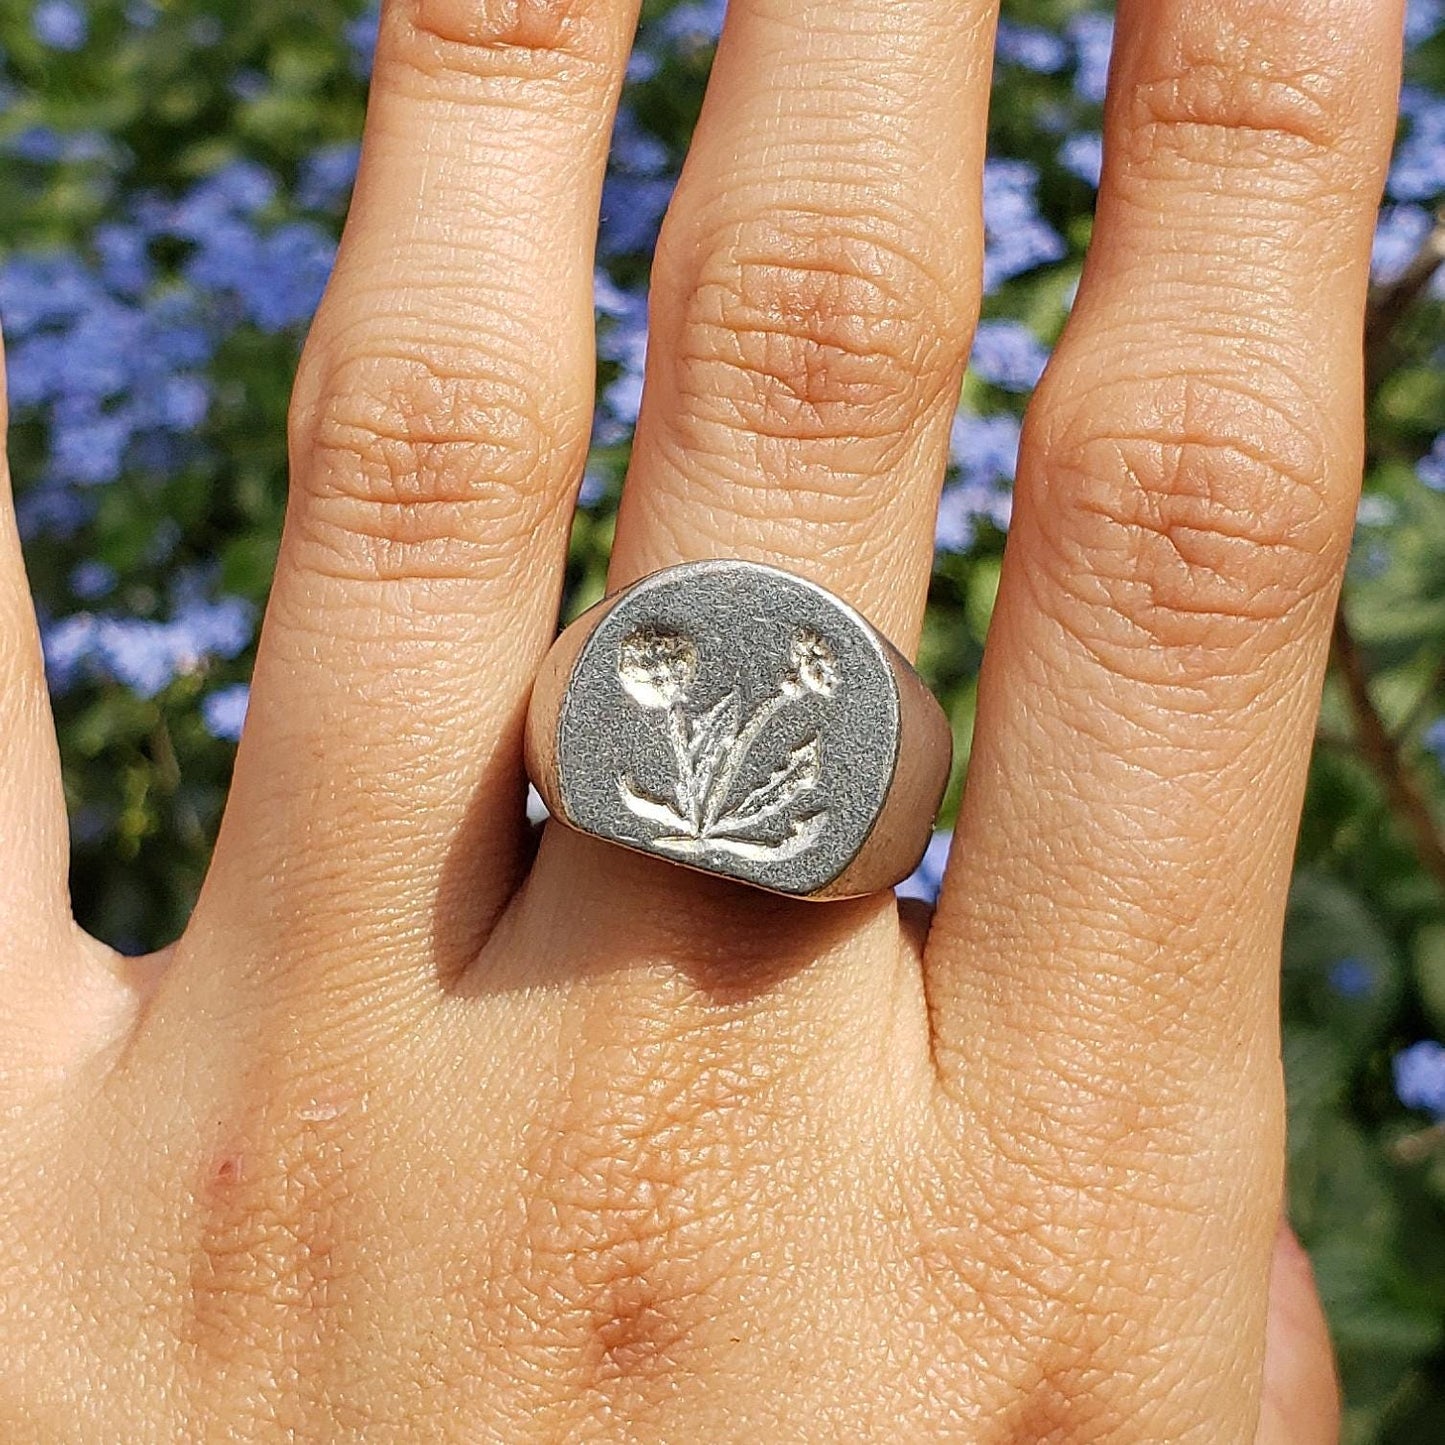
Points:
(737, 719)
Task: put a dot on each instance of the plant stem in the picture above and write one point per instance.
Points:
(1382, 753)
(1377, 746)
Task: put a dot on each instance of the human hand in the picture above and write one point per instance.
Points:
(414, 1137)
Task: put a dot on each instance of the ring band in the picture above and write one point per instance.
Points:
(739, 720)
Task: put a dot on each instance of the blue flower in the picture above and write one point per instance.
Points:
(593, 488)
(68, 645)
(1092, 36)
(327, 175)
(984, 452)
(1431, 467)
(1352, 978)
(1423, 19)
(1041, 51)
(1434, 740)
(59, 24)
(927, 878)
(1016, 237)
(632, 211)
(239, 190)
(695, 24)
(1399, 234)
(1082, 155)
(1008, 354)
(91, 579)
(224, 711)
(1418, 172)
(361, 36)
(622, 338)
(1420, 1077)
(125, 264)
(147, 654)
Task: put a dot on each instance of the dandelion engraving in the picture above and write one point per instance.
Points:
(710, 748)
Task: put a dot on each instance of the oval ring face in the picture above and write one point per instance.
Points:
(732, 718)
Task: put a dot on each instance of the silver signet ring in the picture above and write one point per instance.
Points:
(736, 719)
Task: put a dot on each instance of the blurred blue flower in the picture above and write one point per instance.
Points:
(1082, 155)
(1042, 51)
(327, 175)
(1008, 355)
(1431, 467)
(1420, 1077)
(694, 24)
(1092, 36)
(1418, 171)
(146, 654)
(1399, 234)
(88, 450)
(1016, 237)
(59, 24)
(984, 452)
(224, 711)
(51, 509)
(593, 488)
(622, 338)
(91, 579)
(632, 211)
(239, 190)
(927, 879)
(642, 65)
(1352, 978)
(125, 264)
(41, 145)
(1423, 19)
(361, 35)
(68, 645)
(1433, 740)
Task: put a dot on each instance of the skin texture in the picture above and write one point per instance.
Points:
(416, 1136)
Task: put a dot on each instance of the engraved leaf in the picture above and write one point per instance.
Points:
(654, 810)
(716, 730)
(798, 775)
(803, 834)
(710, 739)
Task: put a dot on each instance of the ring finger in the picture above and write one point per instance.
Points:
(814, 294)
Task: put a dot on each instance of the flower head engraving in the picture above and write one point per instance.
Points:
(814, 666)
(657, 668)
(709, 748)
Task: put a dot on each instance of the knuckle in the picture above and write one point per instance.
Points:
(816, 331)
(521, 39)
(267, 1245)
(1190, 514)
(631, 1243)
(1218, 95)
(411, 470)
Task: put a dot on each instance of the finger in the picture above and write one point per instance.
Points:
(438, 432)
(35, 912)
(813, 293)
(1110, 927)
(815, 289)
(1301, 1397)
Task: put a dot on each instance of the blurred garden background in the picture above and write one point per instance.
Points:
(174, 174)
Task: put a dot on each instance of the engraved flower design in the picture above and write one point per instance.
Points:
(657, 668)
(710, 748)
(814, 666)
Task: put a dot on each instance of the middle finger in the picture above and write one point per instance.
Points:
(814, 295)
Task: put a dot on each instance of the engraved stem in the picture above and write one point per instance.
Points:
(717, 794)
(687, 800)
